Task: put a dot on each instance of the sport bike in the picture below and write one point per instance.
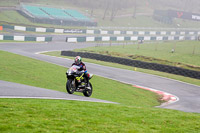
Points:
(76, 81)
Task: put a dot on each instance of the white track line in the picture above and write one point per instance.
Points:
(51, 98)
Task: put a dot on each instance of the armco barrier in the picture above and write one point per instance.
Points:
(136, 63)
(25, 38)
(129, 38)
(41, 29)
(158, 32)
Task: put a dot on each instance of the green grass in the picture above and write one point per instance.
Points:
(20, 115)
(14, 17)
(8, 2)
(135, 113)
(28, 71)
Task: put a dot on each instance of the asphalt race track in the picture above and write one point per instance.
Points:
(14, 90)
(189, 95)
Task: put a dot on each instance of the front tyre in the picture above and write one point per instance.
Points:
(69, 87)
(88, 91)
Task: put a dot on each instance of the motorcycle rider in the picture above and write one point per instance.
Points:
(78, 62)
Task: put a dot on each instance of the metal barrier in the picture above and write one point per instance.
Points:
(136, 63)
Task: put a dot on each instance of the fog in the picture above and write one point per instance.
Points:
(184, 5)
(117, 7)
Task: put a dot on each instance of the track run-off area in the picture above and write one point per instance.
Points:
(187, 95)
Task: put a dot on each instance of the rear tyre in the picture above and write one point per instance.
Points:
(88, 92)
(69, 87)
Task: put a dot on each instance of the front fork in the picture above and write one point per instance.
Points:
(74, 83)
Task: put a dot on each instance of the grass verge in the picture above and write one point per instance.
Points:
(187, 53)
(20, 115)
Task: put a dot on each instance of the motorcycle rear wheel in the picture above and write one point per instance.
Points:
(69, 86)
(88, 92)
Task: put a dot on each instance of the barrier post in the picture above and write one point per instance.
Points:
(194, 47)
(138, 45)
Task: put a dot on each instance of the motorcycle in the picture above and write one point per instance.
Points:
(76, 82)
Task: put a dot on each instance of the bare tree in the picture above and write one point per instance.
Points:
(135, 8)
(106, 9)
(115, 7)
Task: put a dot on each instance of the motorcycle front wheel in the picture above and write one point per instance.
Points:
(69, 87)
(88, 92)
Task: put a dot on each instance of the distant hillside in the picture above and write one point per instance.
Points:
(118, 13)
